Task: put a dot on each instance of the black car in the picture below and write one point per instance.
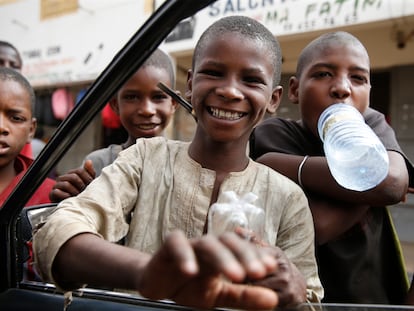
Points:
(16, 222)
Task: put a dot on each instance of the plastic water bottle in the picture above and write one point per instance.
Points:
(356, 157)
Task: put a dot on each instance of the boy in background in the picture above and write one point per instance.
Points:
(358, 254)
(10, 58)
(144, 111)
(157, 193)
(17, 128)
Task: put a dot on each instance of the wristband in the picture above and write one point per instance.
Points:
(300, 170)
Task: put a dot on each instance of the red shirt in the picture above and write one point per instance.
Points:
(27, 151)
(21, 164)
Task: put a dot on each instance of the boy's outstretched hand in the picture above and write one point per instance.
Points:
(73, 182)
(210, 272)
(286, 280)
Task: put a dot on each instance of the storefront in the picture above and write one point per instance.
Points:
(386, 28)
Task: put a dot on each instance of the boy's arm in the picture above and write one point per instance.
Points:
(334, 208)
(391, 190)
(189, 272)
(316, 178)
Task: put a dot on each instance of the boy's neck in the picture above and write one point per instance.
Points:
(220, 157)
(223, 158)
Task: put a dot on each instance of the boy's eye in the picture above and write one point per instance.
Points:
(130, 97)
(322, 74)
(211, 72)
(17, 118)
(359, 78)
(254, 79)
(160, 97)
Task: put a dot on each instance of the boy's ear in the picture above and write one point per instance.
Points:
(275, 100)
(189, 86)
(293, 93)
(113, 102)
(33, 125)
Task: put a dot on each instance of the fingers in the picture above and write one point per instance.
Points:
(247, 297)
(204, 272)
(88, 166)
(70, 184)
(210, 293)
(56, 195)
(178, 248)
(234, 257)
(220, 263)
(170, 268)
(287, 281)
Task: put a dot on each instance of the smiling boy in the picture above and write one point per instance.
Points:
(159, 186)
(144, 111)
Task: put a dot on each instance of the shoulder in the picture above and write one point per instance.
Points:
(159, 143)
(275, 181)
(379, 124)
(281, 135)
(374, 118)
(275, 123)
(154, 148)
(99, 153)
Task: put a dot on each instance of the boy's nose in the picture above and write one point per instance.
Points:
(341, 88)
(3, 125)
(147, 107)
(230, 91)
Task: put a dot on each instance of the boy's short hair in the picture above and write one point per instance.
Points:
(162, 60)
(11, 74)
(248, 28)
(8, 44)
(321, 43)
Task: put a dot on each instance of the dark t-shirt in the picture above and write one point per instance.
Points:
(363, 265)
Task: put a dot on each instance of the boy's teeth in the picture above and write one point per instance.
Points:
(228, 115)
(147, 126)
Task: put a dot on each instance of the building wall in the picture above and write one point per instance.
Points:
(402, 107)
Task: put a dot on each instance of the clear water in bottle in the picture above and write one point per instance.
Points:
(356, 157)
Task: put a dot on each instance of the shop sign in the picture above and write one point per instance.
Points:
(63, 42)
(287, 17)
